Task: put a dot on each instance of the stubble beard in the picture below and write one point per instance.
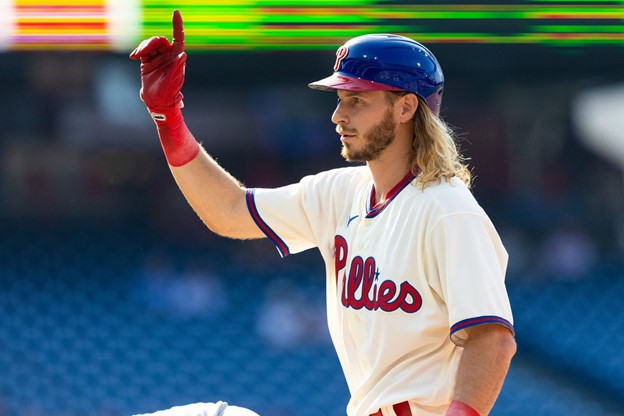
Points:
(377, 138)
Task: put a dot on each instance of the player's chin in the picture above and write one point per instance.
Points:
(350, 155)
(345, 153)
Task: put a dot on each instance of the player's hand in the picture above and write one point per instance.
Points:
(162, 68)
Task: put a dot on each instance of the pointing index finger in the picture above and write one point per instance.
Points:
(178, 33)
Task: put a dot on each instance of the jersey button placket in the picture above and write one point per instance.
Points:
(362, 235)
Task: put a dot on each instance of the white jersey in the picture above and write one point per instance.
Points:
(404, 278)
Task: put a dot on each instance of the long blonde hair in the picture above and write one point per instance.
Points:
(434, 149)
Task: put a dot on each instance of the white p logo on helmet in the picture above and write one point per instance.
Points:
(340, 55)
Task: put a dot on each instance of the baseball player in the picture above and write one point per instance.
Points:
(416, 302)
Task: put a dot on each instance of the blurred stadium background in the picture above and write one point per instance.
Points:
(114, 299)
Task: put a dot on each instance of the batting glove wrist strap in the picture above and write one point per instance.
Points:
(171, 116)
(459, 408)
(177, 141)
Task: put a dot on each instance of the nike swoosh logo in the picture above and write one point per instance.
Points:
(351, 219)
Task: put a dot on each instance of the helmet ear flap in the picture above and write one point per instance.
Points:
(434, 101)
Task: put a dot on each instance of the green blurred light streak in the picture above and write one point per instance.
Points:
(593, 3)
(317, 40)
(315, 3)
(261, 37)
(579, 28)
(329, 18)
(522, 38)
(314, 25)
(176, 4)
(496, 12)
(364, 14)
(190, 27)
(319, 32)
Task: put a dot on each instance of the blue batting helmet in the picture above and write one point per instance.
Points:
(388, 63)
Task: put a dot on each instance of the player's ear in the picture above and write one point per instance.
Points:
(408, 104)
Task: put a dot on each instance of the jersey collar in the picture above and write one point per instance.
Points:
(374, 210)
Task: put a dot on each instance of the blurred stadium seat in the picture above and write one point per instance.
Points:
(75, 339)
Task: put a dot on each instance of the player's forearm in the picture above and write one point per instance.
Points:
(216, 196)
(483, 367)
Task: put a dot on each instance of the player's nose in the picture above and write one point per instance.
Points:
(340, 116)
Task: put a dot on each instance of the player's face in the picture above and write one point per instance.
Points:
(365, 122)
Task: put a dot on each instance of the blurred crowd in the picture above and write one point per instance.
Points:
(79, 145)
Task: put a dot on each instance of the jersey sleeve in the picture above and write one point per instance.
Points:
(296, 217)
(467, 268)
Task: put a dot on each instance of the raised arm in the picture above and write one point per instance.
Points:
(216, 196)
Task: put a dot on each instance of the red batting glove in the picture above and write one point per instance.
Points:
(459, 408)
(162, 77)
(162, 68)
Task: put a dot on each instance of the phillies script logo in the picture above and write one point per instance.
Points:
(340, 55)
(364, 274)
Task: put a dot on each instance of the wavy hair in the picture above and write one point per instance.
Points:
(434, 149)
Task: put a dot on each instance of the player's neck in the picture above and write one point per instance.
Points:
(386, 173)
(393, 163)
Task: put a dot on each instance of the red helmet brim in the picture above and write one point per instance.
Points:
(341, 82)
